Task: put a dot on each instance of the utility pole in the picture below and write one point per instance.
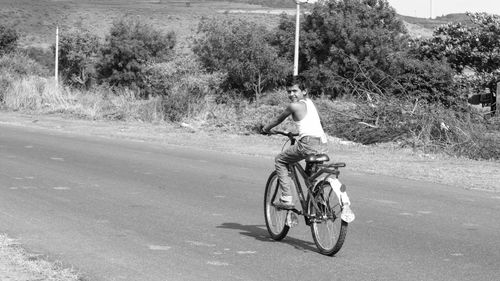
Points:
(57, 56)
(297, 31)
(430, 10)
(296, 52)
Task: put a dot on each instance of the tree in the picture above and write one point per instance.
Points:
(8, 39)
(127, 50)
(474, 46)
(241, 49)
(344, 42)
(77, 55)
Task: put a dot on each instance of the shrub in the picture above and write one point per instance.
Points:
(15, 66)
(344, 42)
(8, 39)
(182, 86)
(77, 54)
(127, 50)
(424, 79)
(43, 56)
(474, 46)
(18, 64)
(240, 48)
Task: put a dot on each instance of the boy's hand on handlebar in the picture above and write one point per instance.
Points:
(263, 131)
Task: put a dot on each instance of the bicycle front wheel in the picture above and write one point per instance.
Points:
(328, 230)
(275, 218)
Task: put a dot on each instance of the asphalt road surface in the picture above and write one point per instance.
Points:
(123, 210)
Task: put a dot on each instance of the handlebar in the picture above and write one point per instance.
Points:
(291, 136)
(284, 133)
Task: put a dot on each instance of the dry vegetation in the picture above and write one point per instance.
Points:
(16, 264)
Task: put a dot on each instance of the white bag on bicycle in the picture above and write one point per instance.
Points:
(336, 186)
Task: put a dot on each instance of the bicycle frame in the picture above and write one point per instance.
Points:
(296, 169)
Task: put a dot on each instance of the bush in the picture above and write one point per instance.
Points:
(44, 57)
(8, 39)
(77, 57)
(16, 66)
(424, 79)
(130, 46)
(182, 86)
(474, 46)
(344, 44)
(240, 48)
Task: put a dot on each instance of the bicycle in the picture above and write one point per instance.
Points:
(321, 209)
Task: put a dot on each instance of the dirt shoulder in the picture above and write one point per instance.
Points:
(16, 264)
(389, 160)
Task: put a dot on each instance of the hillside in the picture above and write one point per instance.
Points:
(433, 23)
(36, 20)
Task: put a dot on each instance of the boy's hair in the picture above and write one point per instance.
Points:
(296, 80)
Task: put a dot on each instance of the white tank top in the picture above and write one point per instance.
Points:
(310, 125)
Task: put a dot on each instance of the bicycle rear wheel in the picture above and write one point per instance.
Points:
(328, 230)
(275, 219)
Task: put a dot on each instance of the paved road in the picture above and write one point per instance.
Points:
(120, 210)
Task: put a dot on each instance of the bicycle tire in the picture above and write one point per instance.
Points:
(275, 219)
(328, 242)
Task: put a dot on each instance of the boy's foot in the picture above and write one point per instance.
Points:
(284, 205)
(347, 215)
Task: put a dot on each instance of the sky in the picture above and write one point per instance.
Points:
(422, 8)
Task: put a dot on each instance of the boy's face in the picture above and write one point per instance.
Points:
(295, 93)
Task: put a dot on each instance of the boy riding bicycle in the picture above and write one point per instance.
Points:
(312, 139)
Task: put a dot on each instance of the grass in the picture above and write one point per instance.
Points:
(17, 264)
(40, 95)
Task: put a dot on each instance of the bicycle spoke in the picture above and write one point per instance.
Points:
(327, 229)
(275, 219)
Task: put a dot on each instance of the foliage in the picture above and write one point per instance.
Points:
(43, 56)
(16, 66)
(240, 48)
(8, 39)
(127, 50)
(182, 86)
(475, 47)
(424, 79)
(19, 65)
(77, 57)
(339, 38)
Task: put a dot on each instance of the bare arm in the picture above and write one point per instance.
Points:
(280, 118)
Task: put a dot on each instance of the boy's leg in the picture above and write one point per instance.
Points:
(290, 155)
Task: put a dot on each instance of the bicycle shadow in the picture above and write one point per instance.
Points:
(259, 232)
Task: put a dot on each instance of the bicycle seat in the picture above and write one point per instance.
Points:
(317, 158)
